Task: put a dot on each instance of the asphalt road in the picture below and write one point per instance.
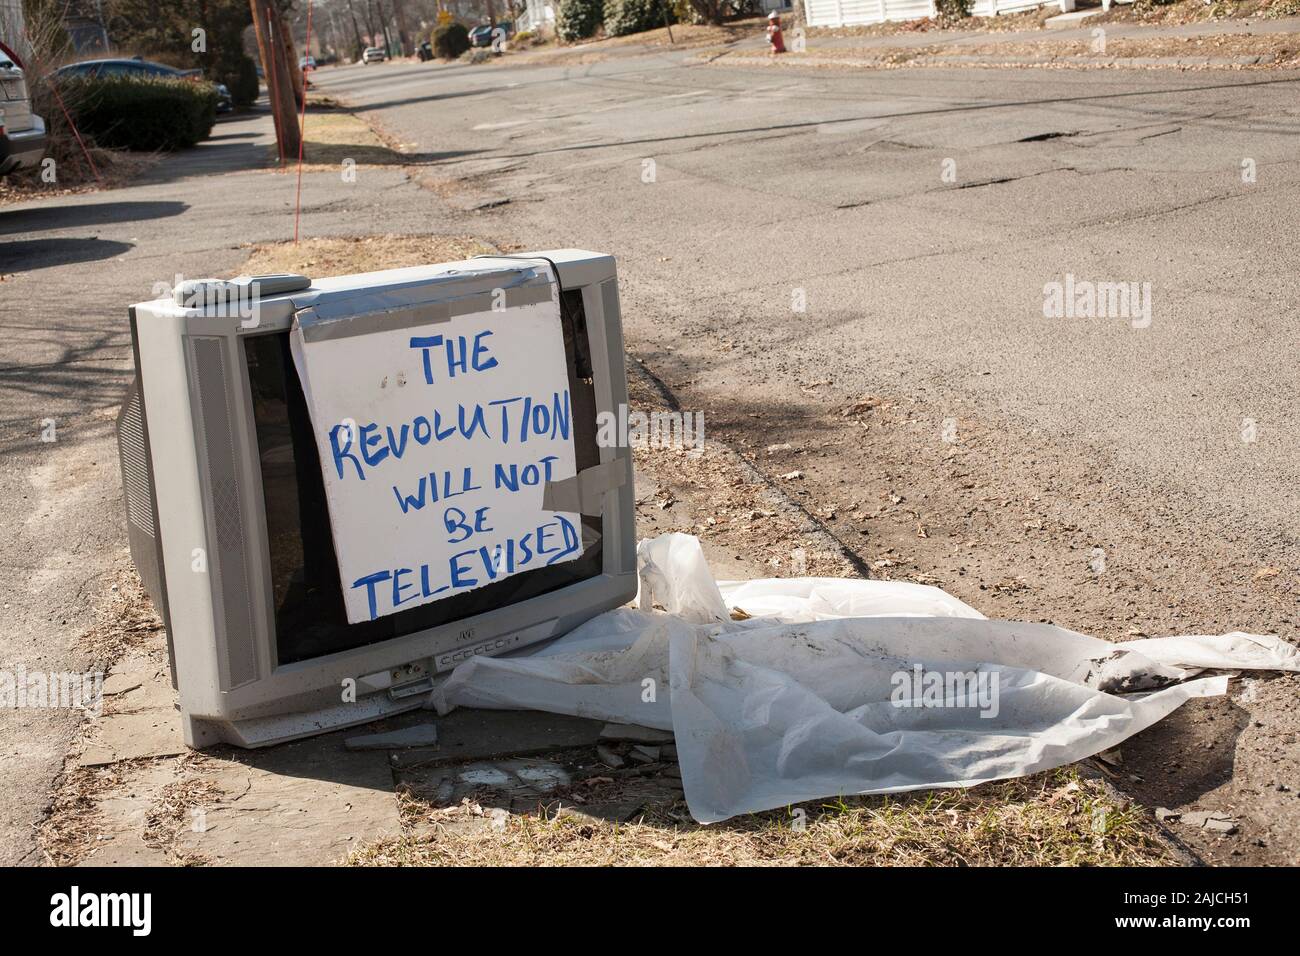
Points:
(729, 193)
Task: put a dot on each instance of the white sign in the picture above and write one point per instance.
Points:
(436, 443)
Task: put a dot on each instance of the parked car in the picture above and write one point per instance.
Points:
(374, 54)
(22, 132)
(143, 69)
(484, 33)
(306, 63)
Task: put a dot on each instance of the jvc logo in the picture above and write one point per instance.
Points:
(103, 909)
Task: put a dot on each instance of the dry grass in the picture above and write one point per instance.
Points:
(73, 825)
(684, 36)
(172, 812)
(1052, 819)
(344, 255)
(126, 620)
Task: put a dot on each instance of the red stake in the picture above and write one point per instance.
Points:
(75, 132)
(302, 134)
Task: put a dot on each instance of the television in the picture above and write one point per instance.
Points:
(228, 513)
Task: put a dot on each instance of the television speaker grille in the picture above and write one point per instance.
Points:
(137, 479)
(229, 572)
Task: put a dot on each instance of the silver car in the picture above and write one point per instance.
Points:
(22, 132)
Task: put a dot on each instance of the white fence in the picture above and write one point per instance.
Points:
(845, 13)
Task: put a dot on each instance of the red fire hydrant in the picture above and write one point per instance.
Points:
(774, 33)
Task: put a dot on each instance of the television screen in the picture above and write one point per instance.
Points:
(310, 616)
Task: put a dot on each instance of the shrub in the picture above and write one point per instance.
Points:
(450, 40)
(142, 114)
(578, 19)
(948, 10)
(635, 16)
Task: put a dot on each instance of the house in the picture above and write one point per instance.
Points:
(538, 16)
(843, 13)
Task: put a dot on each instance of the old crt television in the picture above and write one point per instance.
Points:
(227, 511)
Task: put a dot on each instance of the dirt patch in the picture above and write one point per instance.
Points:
(685, 36)
(1196, 11)
(1273, 50)
(1025, 529)
(1006, 23)
(344, 255)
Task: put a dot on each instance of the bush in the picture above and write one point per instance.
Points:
(578, 19)
(450, 40)
(139, 114)
(948, 10)
(635, 16)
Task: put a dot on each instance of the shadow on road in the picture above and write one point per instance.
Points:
(43, 253)
(85, 214)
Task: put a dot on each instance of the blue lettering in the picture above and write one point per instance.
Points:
(425, 343)
(481, 349)
(341, 452)
(415, 501)
(370, 580)
(369, 438)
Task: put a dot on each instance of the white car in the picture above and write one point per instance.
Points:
(22, 132)
(374, 54)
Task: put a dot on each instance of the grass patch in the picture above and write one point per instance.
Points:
(332, 137)
(1057, 818)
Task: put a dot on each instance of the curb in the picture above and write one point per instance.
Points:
(823, 539)
(1176, 62)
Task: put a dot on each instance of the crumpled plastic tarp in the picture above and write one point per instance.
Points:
(818, 693)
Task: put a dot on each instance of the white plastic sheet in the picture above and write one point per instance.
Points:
(827, 689)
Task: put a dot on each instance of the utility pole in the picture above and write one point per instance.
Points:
(279, 84)
(290, 55)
